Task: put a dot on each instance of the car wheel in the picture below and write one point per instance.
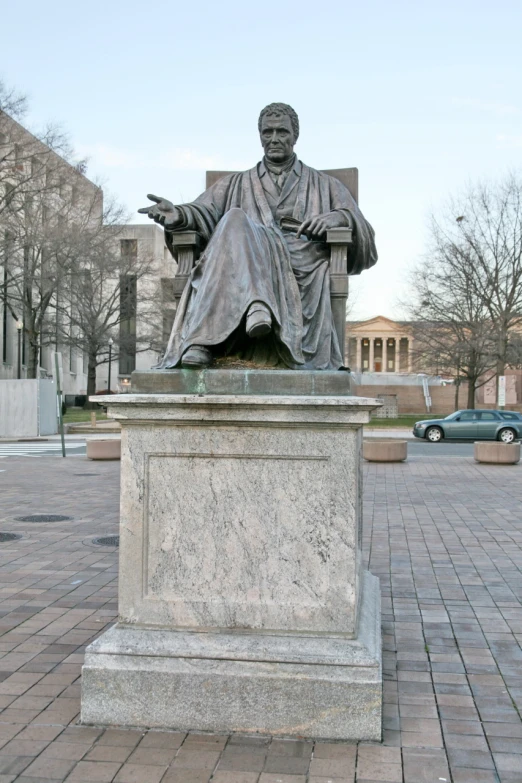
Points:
(434, 434)
(507, 436)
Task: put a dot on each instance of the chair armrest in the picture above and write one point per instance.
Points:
(184, 246)
(339, 240)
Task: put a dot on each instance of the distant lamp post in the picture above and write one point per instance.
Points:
(19, 326)
(111, 343)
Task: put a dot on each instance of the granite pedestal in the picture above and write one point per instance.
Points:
(243, 605)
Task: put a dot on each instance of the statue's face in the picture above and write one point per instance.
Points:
(277, 137)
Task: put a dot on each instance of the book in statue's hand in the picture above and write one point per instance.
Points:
(290, 223)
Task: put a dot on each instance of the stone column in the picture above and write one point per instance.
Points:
(243, 604)
(371, 360)
(410, 355)
(358, 360)
(385, 354)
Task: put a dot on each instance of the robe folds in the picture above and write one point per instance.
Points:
(248, 258)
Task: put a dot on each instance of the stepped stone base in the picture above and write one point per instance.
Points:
(243, 603)
(285, 685)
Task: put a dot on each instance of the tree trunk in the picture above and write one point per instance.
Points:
(457, 389)
(33, 351)
(91, 375)
(471, 393)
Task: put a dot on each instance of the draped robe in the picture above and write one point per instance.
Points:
(249, 258)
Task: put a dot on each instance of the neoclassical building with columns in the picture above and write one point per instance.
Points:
(379, 345)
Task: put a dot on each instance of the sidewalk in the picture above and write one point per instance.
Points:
(85, 428)
(444, 537)
(388, 432)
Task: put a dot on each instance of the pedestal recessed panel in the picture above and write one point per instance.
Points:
(236, 514)
(242, 530)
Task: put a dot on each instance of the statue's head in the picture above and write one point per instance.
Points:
(279, 129)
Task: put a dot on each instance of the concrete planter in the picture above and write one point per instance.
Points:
(497, 453)
(98, 448)
(392, 450)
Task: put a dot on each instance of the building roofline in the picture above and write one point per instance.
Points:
(53, 152)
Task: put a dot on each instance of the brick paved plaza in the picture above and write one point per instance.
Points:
(444, 535)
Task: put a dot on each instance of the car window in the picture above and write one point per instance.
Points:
(486, 416)
(467, 416)
(509, 416)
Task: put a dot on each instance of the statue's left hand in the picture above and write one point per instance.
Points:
(163, 211)
(316, 227)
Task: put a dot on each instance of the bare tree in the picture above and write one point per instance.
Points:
(466, 294)
(44, 242)
(452, 328)
(113, 294)
(453, 346)
(45, 206)
(489, 233)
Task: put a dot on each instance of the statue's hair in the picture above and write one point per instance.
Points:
(281, 108)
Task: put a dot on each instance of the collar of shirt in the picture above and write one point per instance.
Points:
(296, 168)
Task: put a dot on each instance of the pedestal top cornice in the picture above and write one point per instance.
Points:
(133, 408)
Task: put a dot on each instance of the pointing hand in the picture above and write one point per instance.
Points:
(163, 211)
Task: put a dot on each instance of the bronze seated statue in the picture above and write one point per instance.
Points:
(278, 243)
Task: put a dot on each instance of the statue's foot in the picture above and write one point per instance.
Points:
(259, 320)
(196, 356)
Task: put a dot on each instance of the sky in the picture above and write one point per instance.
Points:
(423, 98)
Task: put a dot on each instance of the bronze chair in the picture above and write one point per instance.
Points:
(187, 246)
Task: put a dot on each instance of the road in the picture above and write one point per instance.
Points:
(42, 449)
(417, 448)
(420, 448)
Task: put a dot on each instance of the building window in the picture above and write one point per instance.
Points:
(128, 307)
(7, 320)
(4, 315)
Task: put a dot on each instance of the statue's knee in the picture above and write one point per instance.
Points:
(236, 214)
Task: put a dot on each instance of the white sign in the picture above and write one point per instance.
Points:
(501, 391)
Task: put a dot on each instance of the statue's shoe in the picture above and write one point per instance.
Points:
(196, 356)
(259, 320)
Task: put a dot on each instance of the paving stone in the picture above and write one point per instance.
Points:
(508, 762)
(140, 773)
(269, 777)
(244, 762)
(47, 768)
(108, 753)
(12, 765)
(152, 756)
(287, 765)
(332, 768)
(425, 766)
(95, 771)
(183, 776)
(195, 758)
(334, 750)
(295, 748)
(162, 739)
(235, 777)
(470, 758)
(462, 775)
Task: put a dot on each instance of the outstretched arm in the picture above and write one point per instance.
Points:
(163, 212)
